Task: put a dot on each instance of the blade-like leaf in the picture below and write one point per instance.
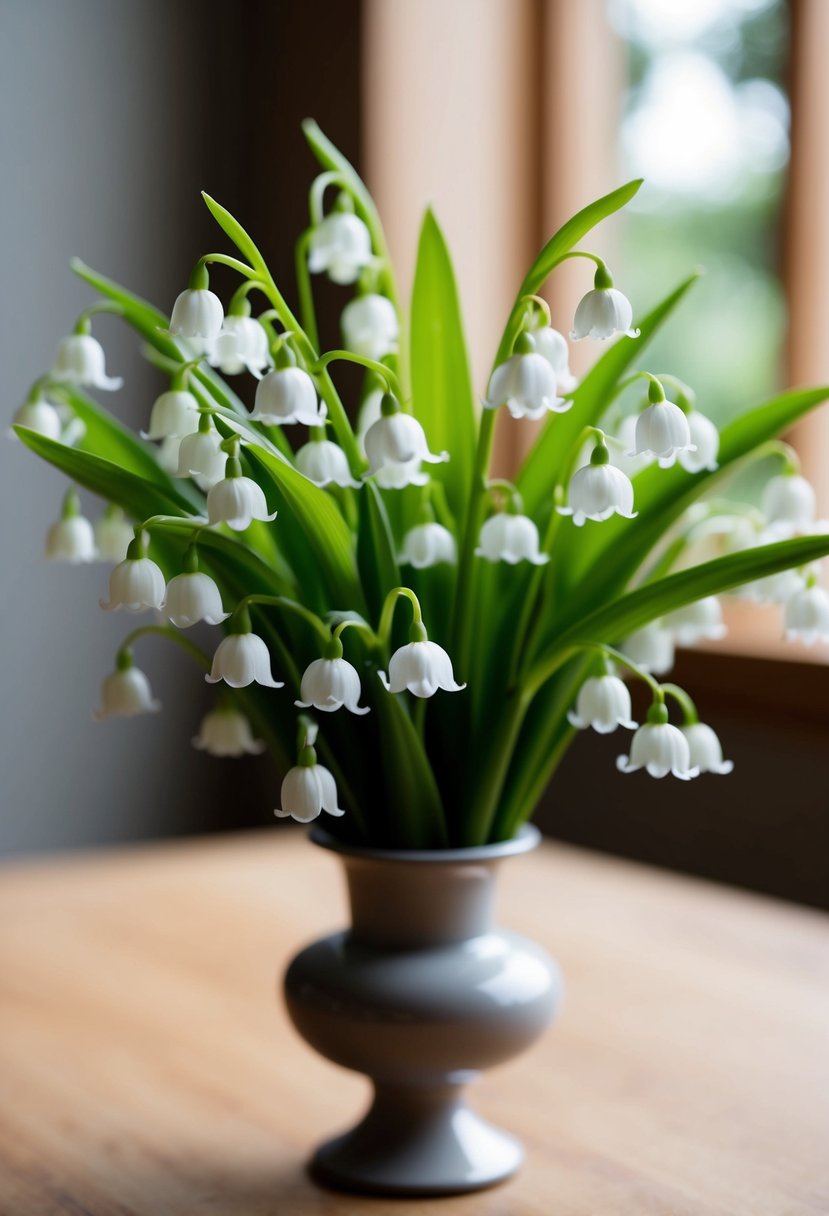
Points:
(376, 556)
(232, 228)
(545, 461)
(136, 496)
(441, 382)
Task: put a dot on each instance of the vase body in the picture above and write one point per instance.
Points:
(421, 994)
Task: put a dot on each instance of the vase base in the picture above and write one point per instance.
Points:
(408, 1146)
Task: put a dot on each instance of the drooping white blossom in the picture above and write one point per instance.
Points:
(136, 584)
(806, 615)
(370, 326)
(237, 501)
(602, 313)
(330, 684)
(510, 538)
(370, 411)
(72, 539)
(40, 416)
(705, 441)
(241, 345)
(325, 463)
(225, 731)
(526, 385)
(396, 443)
(705, 749)
(307, 790)
(124, 694)
(659, 748)
(80, 360)
(695, 622)
(174, 414)
(200, 455)
(113, 535)
(422, 668)
(197, 316)
(651, 648)
(662, 429)
(288, 395)
(621, 446)
(603, 703)
(340, 245)
(789, 503)
(193, 597)
(242, 659)
(598, 491)
(428, 545)
(553, 347)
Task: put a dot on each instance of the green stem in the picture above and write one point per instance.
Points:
(347, 356)
(689, 709)
(306, 295)
(224, 259)
(387, 614)
(462, 604)
(288, 605)
(167, 631)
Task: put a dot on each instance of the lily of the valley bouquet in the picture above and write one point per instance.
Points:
(413, 641)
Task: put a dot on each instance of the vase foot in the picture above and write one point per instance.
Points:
(417, 1141)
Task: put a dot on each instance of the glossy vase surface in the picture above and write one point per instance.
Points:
(421, 994)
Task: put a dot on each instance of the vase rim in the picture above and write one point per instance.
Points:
(528, 838)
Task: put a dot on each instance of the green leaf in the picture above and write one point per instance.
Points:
(376, 555)
(232, 228)
(312, 533)
(549, 454)
(417, 819)
(441, 382)
(606, 555)
(613, 622)
(129, 491)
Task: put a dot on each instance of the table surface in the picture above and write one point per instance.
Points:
(147, 1069)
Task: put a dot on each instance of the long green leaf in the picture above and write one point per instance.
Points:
(441, 381)
(550, 452)
(136, 496)
(376, 555)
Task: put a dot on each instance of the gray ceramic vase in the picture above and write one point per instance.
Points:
(421, 994)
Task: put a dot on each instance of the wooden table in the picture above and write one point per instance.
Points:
(147, 1070)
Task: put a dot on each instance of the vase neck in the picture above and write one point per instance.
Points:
(411, 904)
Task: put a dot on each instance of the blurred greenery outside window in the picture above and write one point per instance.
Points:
(705, 120)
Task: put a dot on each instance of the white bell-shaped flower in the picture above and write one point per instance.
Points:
(125, 693)
(789, 503)
(174, 413)
(113, 535)
(603, 703)
(330, 684)
(370, 326)
(662, 429)
(604, 311)
(421, 666)
(553, 347)
(225, 731)
(696, 622)
(242, 659)
(136, 584)
(236, 500)
(510, 538)
(398, 476)
(396, 440)
(526, 384)
(197, 316)
(621, 446)
(651, 648)
(340, 245)
(167, 455)
(71, 539)
(288, 395)
(705, 441)
(428, 545)
(241, 345)
(806, 615)
(80, 360)
(307, 790)
(325, 463)
(370, 410)
(193, 597)
(599, 490)
(659, 748)
(40, 416)
(200, 454)
(705, 749)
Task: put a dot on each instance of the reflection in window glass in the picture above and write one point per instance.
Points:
(706, 124)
